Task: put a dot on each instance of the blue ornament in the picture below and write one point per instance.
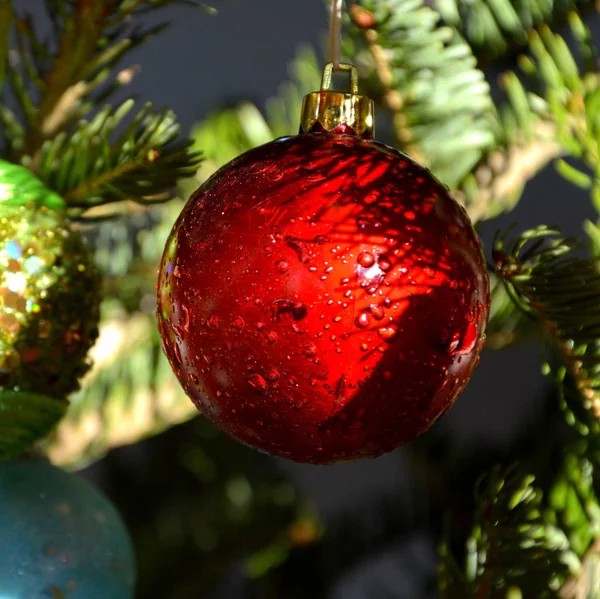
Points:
(59, 537)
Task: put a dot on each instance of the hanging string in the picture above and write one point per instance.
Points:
(335, 33)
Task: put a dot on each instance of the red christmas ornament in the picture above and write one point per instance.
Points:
(323, 298)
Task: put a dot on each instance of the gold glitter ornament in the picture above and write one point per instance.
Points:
(49, 290)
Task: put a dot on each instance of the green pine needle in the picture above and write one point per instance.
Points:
(52, 86)
(549, 277)
(511, 547)
(428, 78)
(101, 162)
(494, 28)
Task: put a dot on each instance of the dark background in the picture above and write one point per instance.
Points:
(204, 61)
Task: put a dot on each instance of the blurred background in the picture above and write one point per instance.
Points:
(210, 518)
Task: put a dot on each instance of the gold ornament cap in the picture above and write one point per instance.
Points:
(328, 109)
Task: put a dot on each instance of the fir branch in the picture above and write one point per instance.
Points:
(511, 545)
(586, 584)
(548, 278)
(427, 76)
(497, 182)
(508, 323)
(563, 97)
(94, 166)
(554, 118)
(501, 27)
(572, 501)
(78, 42)
(60, 81)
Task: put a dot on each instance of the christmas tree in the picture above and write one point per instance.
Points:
(485, 94)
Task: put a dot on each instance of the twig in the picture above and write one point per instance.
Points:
(502, 176)
(585, 585)
(77, 44)
(77, 195)
(391, 96)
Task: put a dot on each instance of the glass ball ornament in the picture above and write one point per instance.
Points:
(49, 290)
(60, 538)
(323, 297)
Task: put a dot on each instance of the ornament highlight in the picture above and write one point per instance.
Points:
(60, 537)
(49, 290)
(323, 297)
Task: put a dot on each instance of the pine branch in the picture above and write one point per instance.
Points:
(547, 277)
(587, 583)
(427, 77)
(508, 323)
(94, 165)
(498, 181)
(572, 501)
(512, 546)
(91, 39)
(55, 84)
(554, 118)
(563, 98)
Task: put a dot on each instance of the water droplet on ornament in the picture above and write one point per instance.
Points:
(258, 383)
(384, 263)
(239, 323)
(272, 337)
(282, 266)
(366, 259)
(387, 333)
(193, 378)
(362, 321)
(310, 350)
(377, 311)
(364, 347)
(186, 318)
(272, 374)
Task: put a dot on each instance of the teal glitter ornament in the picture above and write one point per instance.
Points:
(49, 289)
(59, 537)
